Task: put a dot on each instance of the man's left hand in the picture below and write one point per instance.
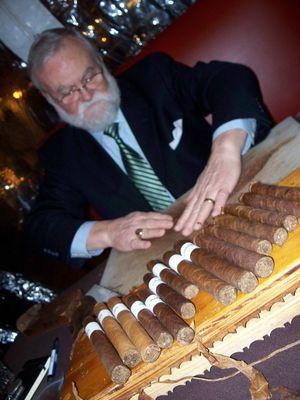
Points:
(215, 183)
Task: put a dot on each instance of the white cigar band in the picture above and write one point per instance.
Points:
(184, 247)
(103, 314)
(188, 251)
(118, 308)
(174, 261)
(153, 283)
(136, 307)
(156, 270)
(152, 301)
(92, 327)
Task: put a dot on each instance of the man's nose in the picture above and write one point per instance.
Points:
(86, 94)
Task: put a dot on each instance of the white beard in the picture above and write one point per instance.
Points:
(101, 115)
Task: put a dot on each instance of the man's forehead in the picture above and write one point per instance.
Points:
(67, 64)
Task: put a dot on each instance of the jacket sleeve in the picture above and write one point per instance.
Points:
(226, 90)
(59, 209)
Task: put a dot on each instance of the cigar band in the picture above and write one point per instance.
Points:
(188, 251)
(153, 283)
(184, 247)
(103, 314)
(92, 327)
(156, 270)
(136, 307)
(174, 261)
(118, 308)
(152, 301)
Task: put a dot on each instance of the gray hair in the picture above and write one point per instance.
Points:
(48, 43)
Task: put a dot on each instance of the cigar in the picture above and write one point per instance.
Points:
(178, 328)
(262, 231)
(176, 301)
(221, 291)
(175, 281)
(275, 218)
(114, 332)
(282, 192)
(117, 371)
(149, 321)
(241, 239)
(271, 203)
(261, 266)
(241, 279)
(149, 350)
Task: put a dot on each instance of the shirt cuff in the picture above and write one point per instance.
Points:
(78, 246)
(247, 124)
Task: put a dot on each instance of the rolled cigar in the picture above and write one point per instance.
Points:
(117, 371)
(261, 266)
(275, 218)
(183, 307)
(178, 328)
(241, 239)
(283, 192)
(149, 321)
(149, 350)
(271, 203)
(217, 288)
(125, 348)
(175, 281)
(243, 280)
(263, 231)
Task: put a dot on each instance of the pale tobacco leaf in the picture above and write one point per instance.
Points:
(286, 394)
(144, 396)
(259, 387)
(75, 392)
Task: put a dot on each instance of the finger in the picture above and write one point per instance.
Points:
(152, 233)
(220, 202)
(137, 244)
(154, 224)
(185, 215)
(204, 213)
(155, 216)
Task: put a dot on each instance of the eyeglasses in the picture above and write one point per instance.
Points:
(89, 82)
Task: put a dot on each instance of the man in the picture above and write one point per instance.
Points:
(134, 145)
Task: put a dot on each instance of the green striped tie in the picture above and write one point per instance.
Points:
(140, 172)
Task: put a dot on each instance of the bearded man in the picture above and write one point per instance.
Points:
(133, 145)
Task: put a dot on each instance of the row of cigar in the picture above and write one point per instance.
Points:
(135, 328)
(227, 255)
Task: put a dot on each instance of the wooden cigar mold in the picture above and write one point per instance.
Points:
(236, 264)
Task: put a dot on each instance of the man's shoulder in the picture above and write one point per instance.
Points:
(151, 62)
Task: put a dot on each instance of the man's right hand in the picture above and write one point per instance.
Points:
(120, 233)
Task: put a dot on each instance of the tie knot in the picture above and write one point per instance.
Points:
(112, 130)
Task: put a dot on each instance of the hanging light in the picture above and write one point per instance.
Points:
(17, 94)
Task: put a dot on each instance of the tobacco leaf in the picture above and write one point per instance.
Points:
(259, 387)
(144, 396)
(286, 393)
(75, 392)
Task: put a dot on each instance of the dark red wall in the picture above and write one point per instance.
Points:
(264, 34)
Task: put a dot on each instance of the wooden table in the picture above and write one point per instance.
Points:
(269, 162)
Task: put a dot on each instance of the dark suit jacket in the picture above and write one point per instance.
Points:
(155, 92)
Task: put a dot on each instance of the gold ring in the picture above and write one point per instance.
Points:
(212, 201)
(139, 233)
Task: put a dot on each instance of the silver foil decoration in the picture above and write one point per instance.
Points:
(24, 289)
(7, 335)
(119, 28)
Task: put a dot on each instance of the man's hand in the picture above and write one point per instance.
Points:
(120, 233)
(216, 182)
